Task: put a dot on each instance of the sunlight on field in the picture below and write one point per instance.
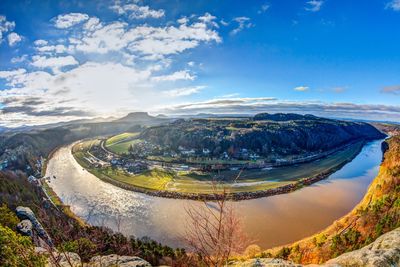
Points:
(120, 143)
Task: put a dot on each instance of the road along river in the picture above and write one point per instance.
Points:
(270, 221)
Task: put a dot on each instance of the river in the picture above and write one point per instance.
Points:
(270, 221)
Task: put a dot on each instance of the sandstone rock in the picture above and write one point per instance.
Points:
(264, 262)
(25, 227)
(385, 251)
(26, 213)
(65, 259)
(115, 260)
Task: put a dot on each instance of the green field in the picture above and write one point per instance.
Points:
(191, 182)
(120, 144)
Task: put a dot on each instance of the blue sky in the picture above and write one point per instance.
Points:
(62, 60)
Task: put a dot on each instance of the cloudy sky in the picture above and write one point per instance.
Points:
(64, 60)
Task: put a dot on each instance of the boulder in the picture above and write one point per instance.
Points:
(26, 213)
(64, 259)
(383, 252)
(116, 260)
(25, 227)
(265, 262)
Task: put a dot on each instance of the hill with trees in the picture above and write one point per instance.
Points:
(267, 135)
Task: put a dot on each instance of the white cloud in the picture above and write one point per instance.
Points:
(135, 11)
(102, 88)
(92, 24)
(122, 67)
(40, 42)
(68, 20)
(89, 87)
(185, 91)
(54, 63)
(9, 74)
(5, 26)
(52, 49)
(178, 75)
(224, 23)
(243, 23)
(263, 8)
(14, 38)
(301, 88)
(394, 5)
(208, 18)
(151, 42)
(183, 20)
(19, 59)
(314, 5)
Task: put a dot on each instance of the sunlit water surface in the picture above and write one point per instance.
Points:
(269, 221)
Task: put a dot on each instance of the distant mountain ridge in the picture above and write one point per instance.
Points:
(284, 117)
(136, 116)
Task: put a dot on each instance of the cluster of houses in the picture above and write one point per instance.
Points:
(184, 156)
(100, 158)
(143, 149)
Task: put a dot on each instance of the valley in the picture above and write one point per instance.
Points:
(198, 159)
(271, 221)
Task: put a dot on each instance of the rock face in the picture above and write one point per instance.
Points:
(265, 262)
(26, 213)
(69, 259)
(384, 252)
(66, 259)
(115, 260)
(25, 227)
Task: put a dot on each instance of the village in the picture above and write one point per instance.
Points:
(145, 156)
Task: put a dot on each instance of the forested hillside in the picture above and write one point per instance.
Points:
(265, 134)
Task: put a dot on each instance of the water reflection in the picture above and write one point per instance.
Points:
(270, 221)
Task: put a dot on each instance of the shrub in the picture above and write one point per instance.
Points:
(252, 251)
(8, 218)
(283, 253)
(82, 246)
(17, 250)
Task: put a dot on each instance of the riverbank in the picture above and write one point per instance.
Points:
(271, 221)
(345, 155)
(377, 213)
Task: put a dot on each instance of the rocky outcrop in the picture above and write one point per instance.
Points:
(69, 259)
(115, 260)
(384, 252)
(25, 227)
(26, 213)
(64, 259)
(265, 262)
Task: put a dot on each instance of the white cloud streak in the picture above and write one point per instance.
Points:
(314, 5)
(54, 63)
(68, 20)
(135, 11)
(394, 5)
(186, 91)
(243, 23)
(301, 88)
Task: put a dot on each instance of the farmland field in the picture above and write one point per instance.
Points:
(120, 144)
